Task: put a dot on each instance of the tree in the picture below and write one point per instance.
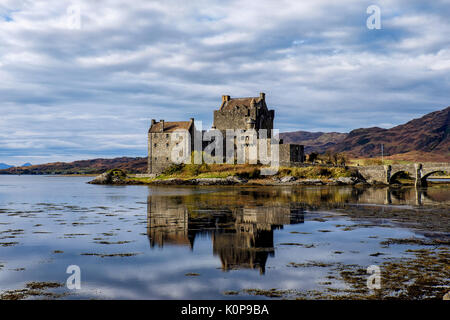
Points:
(342, 159)
(313, 156)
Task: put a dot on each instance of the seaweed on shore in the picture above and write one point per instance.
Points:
(33, 289)
(424, 276)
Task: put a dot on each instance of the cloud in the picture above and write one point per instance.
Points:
(68, 93)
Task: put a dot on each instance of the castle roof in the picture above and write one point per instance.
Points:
(230, 104)
(234, 103)
(170, 126)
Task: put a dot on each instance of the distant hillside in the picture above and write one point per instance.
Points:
(95, 166)
(314, 141)
(425, 139)
(4, 166)
(428, 136)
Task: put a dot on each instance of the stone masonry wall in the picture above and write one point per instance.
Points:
(160, 147)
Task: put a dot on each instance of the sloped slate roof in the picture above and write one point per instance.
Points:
(170, 126)
(241, 102)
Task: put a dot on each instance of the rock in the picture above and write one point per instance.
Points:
(374, 182)
(211, 181)
(236, 180)
(173, 181)
(287, 179)
(115, 176)
(446, 296)
(219, 181)
(347, 180)
(315, 182)
(333, 182)
(101, 179)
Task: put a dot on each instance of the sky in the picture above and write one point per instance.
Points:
(83, 79)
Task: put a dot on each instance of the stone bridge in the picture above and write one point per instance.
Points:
(389, 174)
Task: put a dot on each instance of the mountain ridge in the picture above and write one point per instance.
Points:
(427, 138)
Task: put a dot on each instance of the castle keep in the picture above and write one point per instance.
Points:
(249, 113)
(244, 113)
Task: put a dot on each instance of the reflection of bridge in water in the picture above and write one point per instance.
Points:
(242, 237)
(401, 196)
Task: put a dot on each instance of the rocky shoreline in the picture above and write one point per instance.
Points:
(120, 178)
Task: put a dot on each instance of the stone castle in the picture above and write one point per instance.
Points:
(249, 113)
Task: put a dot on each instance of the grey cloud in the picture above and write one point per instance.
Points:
(92, 91)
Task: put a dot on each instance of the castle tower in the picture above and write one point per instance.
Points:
(242, 113)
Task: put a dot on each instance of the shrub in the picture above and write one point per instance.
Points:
(192, 169)
(286, 171)
(321, 172)
(174, 168)
(313, 156)
(196, 169)
(251, 173)
(118, 173)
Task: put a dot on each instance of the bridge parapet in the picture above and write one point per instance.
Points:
(388, 174)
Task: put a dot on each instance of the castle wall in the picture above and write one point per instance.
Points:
(160, 147)
(235, 119)
(291, 153)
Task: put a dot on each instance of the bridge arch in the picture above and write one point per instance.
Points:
(388, 174)
(393, 178)
(424, 177)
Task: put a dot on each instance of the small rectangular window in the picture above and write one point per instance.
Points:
(155, 145)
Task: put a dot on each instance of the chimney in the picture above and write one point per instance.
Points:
(162, 125)
(262, 96)
(153, 121)
(225, 98)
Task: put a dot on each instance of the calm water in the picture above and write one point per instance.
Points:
(190, 242)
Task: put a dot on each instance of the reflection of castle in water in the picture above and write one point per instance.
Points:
(242, 236)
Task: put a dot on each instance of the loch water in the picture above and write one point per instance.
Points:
(214, 242)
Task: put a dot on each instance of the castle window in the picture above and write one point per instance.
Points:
(155, 145)
(156, 158)
(167, 144)
(167, 158)
(167, 135)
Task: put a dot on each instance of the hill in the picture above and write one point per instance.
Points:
(94, 166)
(423, 139)
(314, 141)
(428, 136)
(4, 166)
